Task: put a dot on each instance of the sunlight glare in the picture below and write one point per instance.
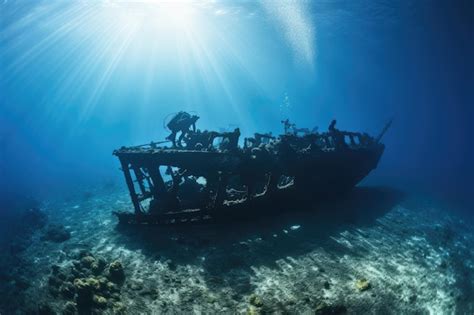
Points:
(174, 16)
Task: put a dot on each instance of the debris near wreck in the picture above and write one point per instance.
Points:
(206, 176)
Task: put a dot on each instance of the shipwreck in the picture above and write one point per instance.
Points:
(199, 176)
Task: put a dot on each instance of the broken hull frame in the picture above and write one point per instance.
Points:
(316, 175)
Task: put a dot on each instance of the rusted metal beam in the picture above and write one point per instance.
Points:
(159, 188)
(131, 186)
(139, 176)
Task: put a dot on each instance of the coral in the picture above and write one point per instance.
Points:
(252, 310)
(86, 284)
(100, 301)
(87, 261)
(111, 286)
(118, 308)
(255, 300)
(103, 281)
(87, 287)
(363, 284)
(116, 273)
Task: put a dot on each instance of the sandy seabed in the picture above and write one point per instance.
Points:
(372, 253)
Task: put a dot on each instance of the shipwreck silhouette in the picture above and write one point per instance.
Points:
(207, 177)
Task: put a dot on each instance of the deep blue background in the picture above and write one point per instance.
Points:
(66, 103)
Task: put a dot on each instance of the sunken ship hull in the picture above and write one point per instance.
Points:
(200, 182)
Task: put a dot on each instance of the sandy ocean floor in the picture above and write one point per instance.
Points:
(372, 253)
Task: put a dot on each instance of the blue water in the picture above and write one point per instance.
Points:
(79, 79)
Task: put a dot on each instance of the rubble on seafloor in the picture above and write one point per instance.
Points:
(381, 258)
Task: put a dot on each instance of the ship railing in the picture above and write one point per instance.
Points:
(339, 139)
